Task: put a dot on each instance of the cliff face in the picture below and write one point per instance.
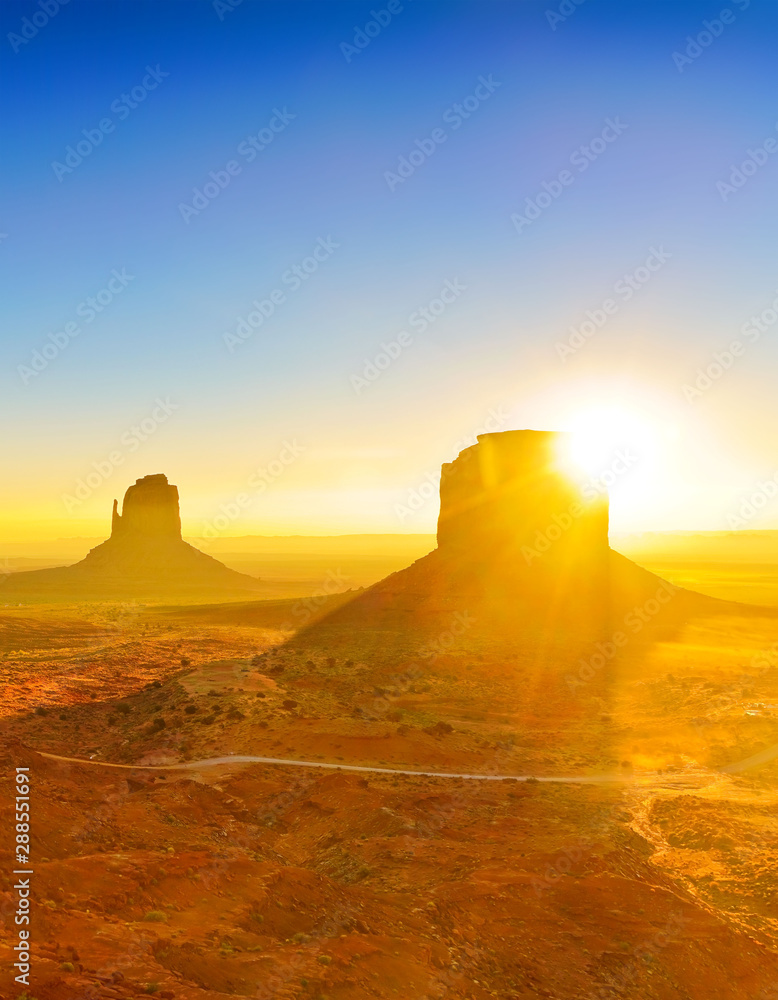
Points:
(149, 511)
(508, 493)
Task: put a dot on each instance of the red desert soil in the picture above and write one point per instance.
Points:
(283, 882)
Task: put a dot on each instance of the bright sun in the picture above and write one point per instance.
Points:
(608, 441)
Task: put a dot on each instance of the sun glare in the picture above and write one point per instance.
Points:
(605, 443)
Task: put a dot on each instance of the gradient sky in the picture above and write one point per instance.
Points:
(361, 454)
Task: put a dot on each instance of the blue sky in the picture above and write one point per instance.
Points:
(346, 124)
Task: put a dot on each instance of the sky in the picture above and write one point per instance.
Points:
(297, 255)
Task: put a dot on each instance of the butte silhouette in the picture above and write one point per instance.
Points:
(145, 558)
(521, 553)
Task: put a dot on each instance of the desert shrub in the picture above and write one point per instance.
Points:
(152, 987)
(324, 959)
(40, 710)
(185, 661)
(123, 708)
(190, 709)
(155, 917)
(159, 722)
(68, 967)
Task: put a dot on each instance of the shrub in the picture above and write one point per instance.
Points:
(123, 708)
(40, 710)
(190, 709)
(155, 917)
(68, 967)
(185, 661)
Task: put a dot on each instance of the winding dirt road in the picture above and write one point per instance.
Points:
(194, 765)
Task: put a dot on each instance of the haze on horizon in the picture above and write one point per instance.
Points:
(156, 375)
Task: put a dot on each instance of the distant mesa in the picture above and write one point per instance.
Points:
(145, 558)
